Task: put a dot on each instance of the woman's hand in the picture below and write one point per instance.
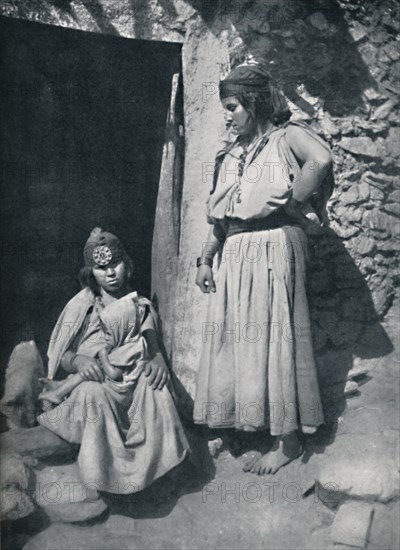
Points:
(205, 279)
(310, 224)
(157, 372)
(88, 368)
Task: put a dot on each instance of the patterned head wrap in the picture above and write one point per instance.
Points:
(103, 248)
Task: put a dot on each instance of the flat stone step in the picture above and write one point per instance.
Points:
(38, 442)
(64, 536)
(73, 512)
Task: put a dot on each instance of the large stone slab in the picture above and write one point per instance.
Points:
(14, 470)
(363, 146)
(73, 512)
(38, 442)
(61, 484)
(352, 524)
(62, 536)
(117, 523)
(362, 466)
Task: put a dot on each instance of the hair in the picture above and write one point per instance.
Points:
(267, 105)
(87, 280)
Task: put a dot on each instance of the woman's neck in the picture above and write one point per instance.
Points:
(108, 297)
(257, 133)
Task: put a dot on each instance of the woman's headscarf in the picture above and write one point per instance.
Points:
(252, 77)
(103, 248)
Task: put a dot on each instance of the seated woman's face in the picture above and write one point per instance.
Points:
(237, 115)
(111, 277)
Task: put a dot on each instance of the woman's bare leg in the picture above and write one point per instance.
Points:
(286, 448)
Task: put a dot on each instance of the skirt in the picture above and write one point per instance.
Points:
(127, 439)
(257, 369)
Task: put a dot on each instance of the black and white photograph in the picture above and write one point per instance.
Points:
(200, 238)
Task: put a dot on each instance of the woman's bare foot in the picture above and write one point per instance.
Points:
(285, 450)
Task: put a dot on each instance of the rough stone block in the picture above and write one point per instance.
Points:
(384, 110)
(377, 221)
(381, 181)
(352, 524)
(351, 196)
(19, 403)
(38, 442)
(362, 146)
(392, 208)
(15, 504)
(362, 466)
(363, 245)
(72, 512)
(14, 470)
(59, 484)
(392, 142)
(358, 32)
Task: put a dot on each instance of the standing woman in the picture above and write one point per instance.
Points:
(257, 368)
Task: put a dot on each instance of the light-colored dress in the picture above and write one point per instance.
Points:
(257, 368)
(127, 438)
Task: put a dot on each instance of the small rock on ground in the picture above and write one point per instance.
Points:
(352, 524)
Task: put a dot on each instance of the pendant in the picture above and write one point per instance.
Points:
(238, 199)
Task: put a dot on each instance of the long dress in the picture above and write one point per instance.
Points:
(257, 369)
(127, 438)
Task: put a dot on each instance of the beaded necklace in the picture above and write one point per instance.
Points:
(256, 145)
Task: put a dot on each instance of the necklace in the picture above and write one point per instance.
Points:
(256, 145)
(241, 164)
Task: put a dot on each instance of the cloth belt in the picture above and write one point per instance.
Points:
(273, 221)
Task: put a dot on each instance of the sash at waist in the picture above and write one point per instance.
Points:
(273, 221)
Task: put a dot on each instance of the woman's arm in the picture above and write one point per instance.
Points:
(204, 277)
(155, 369)
(85, 365)
(313, 159)
(112, 372)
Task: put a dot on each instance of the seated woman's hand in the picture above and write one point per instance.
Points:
(88, 368)
(157, 372)
(205, 279)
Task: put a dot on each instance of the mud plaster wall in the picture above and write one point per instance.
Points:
(338, 63)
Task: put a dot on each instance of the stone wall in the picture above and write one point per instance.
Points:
(338, 63)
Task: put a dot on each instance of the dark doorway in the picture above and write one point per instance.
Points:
(83, 121)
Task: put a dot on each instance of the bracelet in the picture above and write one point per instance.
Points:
(204, 261)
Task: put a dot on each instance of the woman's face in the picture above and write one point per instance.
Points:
(235, 114)
(111, 277)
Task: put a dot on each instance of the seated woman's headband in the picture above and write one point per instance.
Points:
(245, 78)
(102, 248)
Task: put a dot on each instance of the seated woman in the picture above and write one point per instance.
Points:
(123, 358)
(128, 429)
